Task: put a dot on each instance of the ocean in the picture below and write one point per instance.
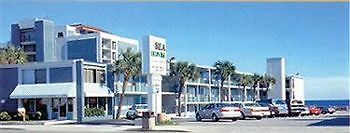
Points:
(327, 102)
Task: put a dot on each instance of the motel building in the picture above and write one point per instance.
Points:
(68, 73)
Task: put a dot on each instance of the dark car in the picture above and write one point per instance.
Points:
(324, 110)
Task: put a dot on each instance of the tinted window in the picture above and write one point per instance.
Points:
(211, 106)
(280, 102)
(235, 105)
(61, 75)
(264, 104)
(220, 105)
(252, 104)
(40, 76)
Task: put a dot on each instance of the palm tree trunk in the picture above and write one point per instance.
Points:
(125, 83)
(243, 95)
(254, 97)
(222, 91)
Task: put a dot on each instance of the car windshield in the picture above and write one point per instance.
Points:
(264, 104)
(141, 107)
(280, 102)
(235, 105)
(252, 104)
(220, 105)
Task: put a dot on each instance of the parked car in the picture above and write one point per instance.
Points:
(314, 110)
(296, 107)
(253, 110)
(325, 110)
(273, 109)
(135, 111)
(331, 110)
(217, 111)
(280, 106)
(305, 112)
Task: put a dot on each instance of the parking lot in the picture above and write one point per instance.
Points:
(335, 123)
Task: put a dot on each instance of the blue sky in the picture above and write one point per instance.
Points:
(312, 37)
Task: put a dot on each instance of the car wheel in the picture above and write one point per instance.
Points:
(198, 117)
(214, 117)
(259, 118)
(242, 116)
(234, 119)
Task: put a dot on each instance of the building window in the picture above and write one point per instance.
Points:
(40, 76)
(61, 75)
(31, 58)
(60, 34)
(28, 48)
(94, 76)
(27, 76)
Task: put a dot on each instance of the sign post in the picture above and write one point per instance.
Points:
(154, 65)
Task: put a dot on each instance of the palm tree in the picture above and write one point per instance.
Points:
(224, 69)
(244, 81)
(256, 79)
(268, 81)
(128, 64)
(184, 71)
(13, 55)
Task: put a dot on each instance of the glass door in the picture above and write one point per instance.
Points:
(63, 108)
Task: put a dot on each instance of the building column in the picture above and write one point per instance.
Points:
(20, 103)
(80, 90)
(49, 108)
(185, 98)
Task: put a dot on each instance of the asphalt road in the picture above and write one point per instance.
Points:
(337, 123)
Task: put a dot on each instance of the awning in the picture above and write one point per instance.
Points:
(97, 90)
(43, 90)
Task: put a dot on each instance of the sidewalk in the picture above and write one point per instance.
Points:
(159, 129)
(42, 122)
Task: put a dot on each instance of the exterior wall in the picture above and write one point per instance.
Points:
(15, 34)
(8, 82)
(42, 37)
(276, 68)
(82, 49)
(296, 87)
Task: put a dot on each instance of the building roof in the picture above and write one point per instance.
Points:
(88, 28)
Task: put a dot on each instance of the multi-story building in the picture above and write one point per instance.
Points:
(204, 90)
(295, 88)
(36, 38)
(276, 68)
(90, 43)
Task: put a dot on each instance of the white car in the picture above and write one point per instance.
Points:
(216, 111)
(253, 110)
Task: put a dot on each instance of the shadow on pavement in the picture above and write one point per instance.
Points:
(109, 122)
(338, 121)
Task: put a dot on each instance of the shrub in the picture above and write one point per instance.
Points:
(94, 112)
(4, 116)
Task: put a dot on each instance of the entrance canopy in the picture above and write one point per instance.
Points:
(43, 90)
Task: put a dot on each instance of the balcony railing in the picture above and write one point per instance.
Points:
(134, 88)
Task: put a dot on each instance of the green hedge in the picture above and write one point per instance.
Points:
(94, 112)
(4, 116)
